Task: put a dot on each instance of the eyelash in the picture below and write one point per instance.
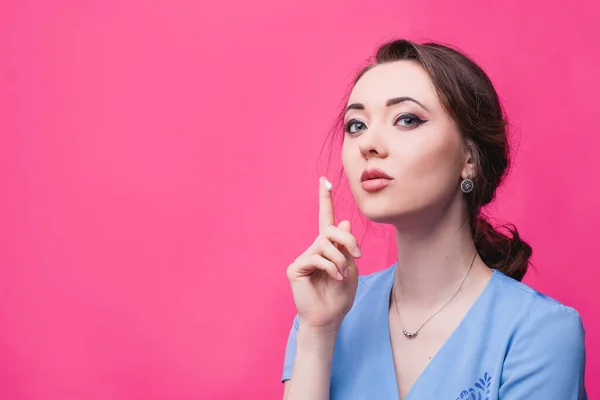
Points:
(404, 116)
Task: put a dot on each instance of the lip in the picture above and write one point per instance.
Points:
(374, 173)
(374, 179)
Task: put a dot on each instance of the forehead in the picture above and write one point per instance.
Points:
(394, 79)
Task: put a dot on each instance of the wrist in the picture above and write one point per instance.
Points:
(317, 339)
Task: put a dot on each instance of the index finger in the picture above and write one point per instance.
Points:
(326, 218)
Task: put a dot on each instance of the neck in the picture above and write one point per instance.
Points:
(434, 255)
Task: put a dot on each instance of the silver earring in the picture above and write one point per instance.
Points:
(466, 185)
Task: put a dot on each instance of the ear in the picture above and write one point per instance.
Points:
(469, 158)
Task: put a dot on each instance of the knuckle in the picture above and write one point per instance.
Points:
(319, 239)
(323, 242)
(329, 231)
(324, 261)
(314, 259)
(349, 238)
(293, 266)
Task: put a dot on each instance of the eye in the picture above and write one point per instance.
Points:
(409, 121)
(354, 126)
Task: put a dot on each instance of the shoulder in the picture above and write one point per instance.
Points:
(531, 307)
(545, 348)
(540, 323)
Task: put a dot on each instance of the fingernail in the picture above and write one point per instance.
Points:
(357, 252)
(339, 276)
(346, 272)
(328, 185)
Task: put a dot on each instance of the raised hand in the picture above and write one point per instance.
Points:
(324, 278)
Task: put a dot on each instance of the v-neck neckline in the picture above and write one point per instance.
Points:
(440, 353)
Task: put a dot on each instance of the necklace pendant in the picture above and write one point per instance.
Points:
(410, 335)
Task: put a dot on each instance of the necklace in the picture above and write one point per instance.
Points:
(412, 335)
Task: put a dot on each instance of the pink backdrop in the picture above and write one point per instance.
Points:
(159, 166)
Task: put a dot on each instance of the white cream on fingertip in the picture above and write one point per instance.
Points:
(328, 185)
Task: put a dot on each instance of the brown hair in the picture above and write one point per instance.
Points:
(468, 96)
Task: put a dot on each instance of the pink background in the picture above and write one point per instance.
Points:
(159, 169)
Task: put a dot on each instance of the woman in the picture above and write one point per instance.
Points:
(424, 148)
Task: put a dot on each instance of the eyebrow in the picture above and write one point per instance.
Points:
(389, 103)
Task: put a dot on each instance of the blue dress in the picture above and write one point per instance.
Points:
(513, 344)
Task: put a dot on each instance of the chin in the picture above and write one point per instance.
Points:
(377, 211)
(391, 209)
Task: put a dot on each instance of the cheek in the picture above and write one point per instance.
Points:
(442, 159)
(440, 147)
(353, 165)
(349, 154)
(430, 164)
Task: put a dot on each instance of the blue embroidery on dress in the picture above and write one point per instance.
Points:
(480, 391)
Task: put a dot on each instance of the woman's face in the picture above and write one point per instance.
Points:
(395, 123)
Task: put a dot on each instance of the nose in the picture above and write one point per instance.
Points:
(371, 145)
